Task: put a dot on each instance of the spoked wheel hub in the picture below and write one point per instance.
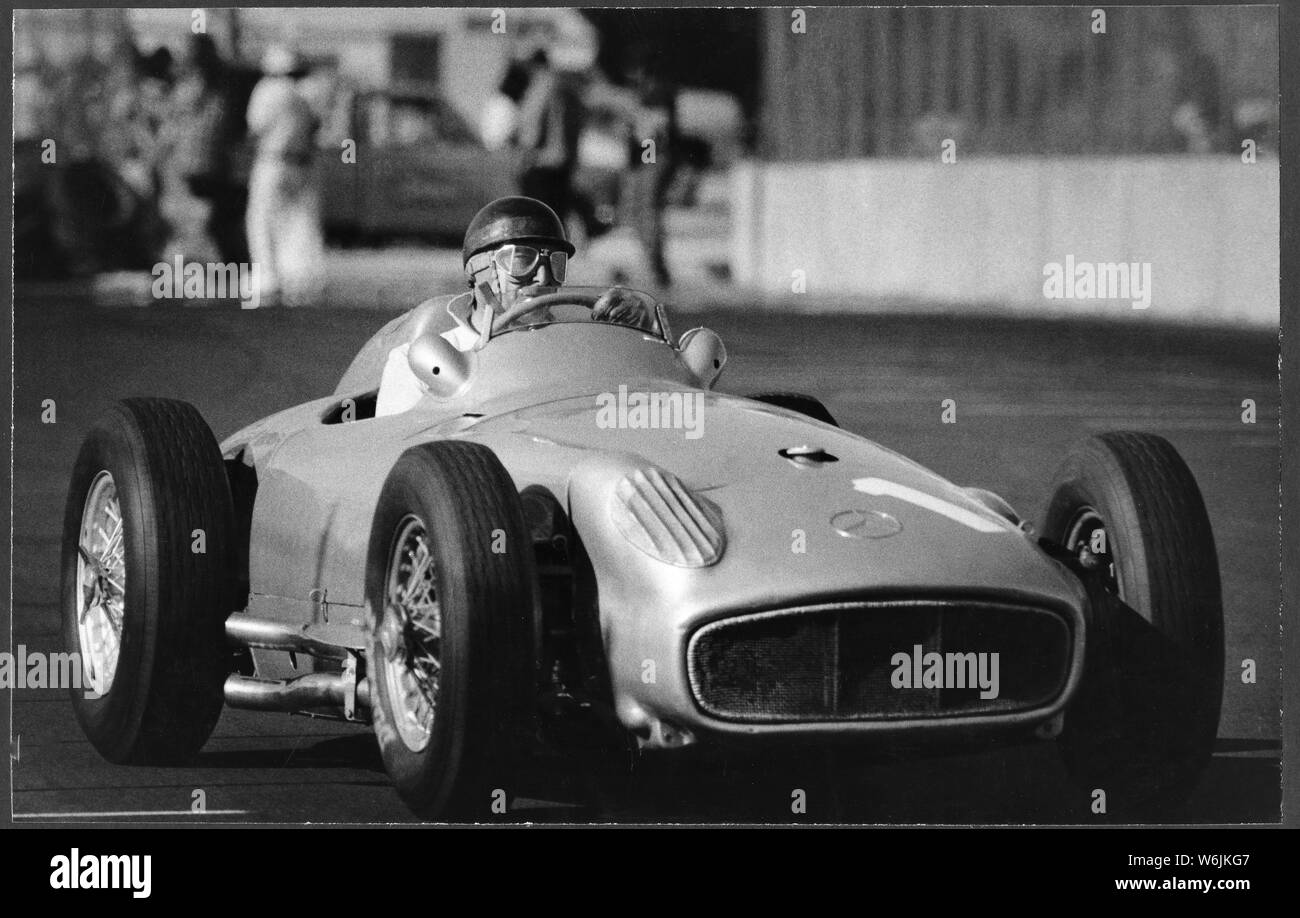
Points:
(411, 635)
(101, 583)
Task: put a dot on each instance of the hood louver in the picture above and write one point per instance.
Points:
(656, 513)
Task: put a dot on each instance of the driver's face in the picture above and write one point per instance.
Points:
(510, 286)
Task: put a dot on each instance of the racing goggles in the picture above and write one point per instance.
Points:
(519, 261)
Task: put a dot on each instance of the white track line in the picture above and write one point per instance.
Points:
(131, 813)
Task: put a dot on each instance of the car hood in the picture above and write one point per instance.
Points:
(805, 507)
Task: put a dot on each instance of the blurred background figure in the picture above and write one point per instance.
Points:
(550, 123)
(443, 114)
(140, 109)
(92, 203)
(205, 203)
(284, 210)
(500, 122)
(652, 158)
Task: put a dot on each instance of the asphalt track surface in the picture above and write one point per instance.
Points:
(1025, 390)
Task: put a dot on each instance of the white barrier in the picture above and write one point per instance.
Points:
(978, 234)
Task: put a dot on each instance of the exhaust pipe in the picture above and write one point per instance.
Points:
(343, 692)
(244, 631)
(313, 690)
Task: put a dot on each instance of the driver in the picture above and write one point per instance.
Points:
(514, 248)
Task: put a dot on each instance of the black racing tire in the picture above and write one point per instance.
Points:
(796, 401)
(1143, 724)
(168, 480)
(463, 500)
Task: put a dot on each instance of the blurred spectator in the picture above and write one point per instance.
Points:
(1256, 119)
(92, 205)
(1199, 118)
(33, 94)
(199, 132)
(501, 114)
(652, 160)
(284, 209)
(138, 90)
(550, 123)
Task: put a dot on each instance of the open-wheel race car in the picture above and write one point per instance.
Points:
(572, 526)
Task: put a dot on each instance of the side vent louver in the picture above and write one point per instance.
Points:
(656, 513)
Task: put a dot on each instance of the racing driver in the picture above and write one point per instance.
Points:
(515, 247)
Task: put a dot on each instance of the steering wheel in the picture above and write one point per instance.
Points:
(541, 301)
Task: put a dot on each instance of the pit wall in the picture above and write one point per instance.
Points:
(976, 235)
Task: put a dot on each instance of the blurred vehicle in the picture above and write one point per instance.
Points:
(422, 171)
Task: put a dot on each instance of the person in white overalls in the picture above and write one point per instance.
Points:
(285, 238)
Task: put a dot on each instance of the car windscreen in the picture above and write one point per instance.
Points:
(652, 318)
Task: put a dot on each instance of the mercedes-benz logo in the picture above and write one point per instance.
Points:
(865, 524)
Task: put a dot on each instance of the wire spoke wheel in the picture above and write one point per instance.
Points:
(449, 655)
(148, 476)
(412, 635)
(101, 583)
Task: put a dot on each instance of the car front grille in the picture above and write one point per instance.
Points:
(838, 661)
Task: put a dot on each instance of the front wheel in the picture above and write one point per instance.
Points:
(451, 588)
(1143, 725)
(148, 538)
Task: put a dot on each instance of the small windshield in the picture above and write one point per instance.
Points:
(573, 305)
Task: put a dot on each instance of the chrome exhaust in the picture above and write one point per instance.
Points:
(313, 690)
(341, 693)
(244, 631)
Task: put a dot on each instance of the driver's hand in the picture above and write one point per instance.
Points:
(618, 304)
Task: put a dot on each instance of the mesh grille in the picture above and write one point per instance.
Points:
(837, 662)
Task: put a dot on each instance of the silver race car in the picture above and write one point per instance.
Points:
(572, 527)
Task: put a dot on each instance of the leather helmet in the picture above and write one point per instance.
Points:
(514, 219)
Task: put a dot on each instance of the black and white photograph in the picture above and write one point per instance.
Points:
(647, 416)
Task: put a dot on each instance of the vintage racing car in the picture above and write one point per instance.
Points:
(572, 525)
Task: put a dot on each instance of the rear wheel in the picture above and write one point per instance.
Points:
(1143, 725)
(148, 537)
(451, 587)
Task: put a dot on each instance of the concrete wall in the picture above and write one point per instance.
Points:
(978, 233)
